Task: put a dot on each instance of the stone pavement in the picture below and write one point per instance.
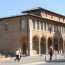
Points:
(53, 62)
(24, 60)
(4, 59)
(35, 63)
(33, 60)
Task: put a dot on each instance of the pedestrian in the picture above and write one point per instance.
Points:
(20, 53)
(51, 52)
(17, 55)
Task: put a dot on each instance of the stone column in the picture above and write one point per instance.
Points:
(53, 44)
(58, 46)
(46, 46)
(63, 47)
(39, 47)
(46, 27)
(30, 39)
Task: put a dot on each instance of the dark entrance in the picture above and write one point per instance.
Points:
(55, 44)
(43, 45)
(24, 49)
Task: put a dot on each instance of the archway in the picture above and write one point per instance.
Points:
(60, 45)
(24, 48)
(36, 45)
(56, 44)
(49, 42)
(64, 46)
(43, 45)
(23, 45)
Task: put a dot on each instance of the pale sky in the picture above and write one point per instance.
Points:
(14, 7)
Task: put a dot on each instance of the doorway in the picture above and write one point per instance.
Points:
(24, 49)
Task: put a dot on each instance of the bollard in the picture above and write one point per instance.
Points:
(45, 57)
(56, 56)
(64, 54)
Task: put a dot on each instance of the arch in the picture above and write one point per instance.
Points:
(55, 44)
(43, 45)
(36, 45)
(36, 35)
(23, 44)
(60, 45)
(64, 45)
(43, 35)
(49, 42)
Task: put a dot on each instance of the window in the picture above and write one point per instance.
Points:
(23, 24)
(59, 18)
(6, 26)
(51, 16)
(44, 26)
(49, 27)
(59, 29)
(52, 26)
(41, 25)
(46, 14)
(64, 29)
(37, 25)
(33, 24)
(55, 28)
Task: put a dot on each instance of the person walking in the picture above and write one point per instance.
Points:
(51, 52)
(20, 53)
(17, 55)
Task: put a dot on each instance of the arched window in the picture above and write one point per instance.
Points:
(23, 24)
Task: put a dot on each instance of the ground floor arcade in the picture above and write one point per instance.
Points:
(40, 45)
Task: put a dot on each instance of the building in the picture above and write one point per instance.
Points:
(33, 31)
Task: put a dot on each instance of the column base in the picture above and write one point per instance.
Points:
(31, 54)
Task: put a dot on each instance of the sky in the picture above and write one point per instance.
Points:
(14, 7)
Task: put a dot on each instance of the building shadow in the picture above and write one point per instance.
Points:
(58, 41)
(56, 61)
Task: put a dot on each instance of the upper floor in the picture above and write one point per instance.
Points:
(23, 23)
(38, 21)
(44, 13)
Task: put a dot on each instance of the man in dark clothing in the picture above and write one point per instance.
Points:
(51, 52)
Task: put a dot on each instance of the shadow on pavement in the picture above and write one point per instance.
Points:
(56, 61)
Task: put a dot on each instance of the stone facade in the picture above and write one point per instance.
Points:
(33, 31)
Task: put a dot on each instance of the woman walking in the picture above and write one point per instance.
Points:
(17, 55)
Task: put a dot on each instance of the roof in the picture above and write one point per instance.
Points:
(40, 8)
(23, 14)
(33, 9)
(26, 14)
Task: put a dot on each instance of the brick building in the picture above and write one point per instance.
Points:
(33, 31)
